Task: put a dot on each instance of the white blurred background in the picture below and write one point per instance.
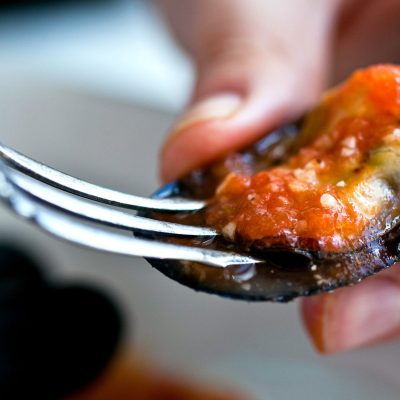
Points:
(91, 88)
(116, 48)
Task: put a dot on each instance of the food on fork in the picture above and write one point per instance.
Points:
(319, 200)
(340, 188)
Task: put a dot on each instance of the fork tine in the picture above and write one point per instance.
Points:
(99, 213)
(79, 187)
(63, 227)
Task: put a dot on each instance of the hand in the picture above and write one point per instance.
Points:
(261, 63)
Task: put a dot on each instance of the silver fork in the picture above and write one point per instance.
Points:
(81, 212)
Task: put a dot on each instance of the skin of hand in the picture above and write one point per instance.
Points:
(260, 63)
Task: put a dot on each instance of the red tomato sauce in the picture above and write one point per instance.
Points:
(339, 188)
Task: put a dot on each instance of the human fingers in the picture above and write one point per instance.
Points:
(367, 33)
(258, 64)
(357, 316)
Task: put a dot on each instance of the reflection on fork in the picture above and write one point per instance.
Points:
(81, 212)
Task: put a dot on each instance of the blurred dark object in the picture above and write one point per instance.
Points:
(20, 276)
(54, 339)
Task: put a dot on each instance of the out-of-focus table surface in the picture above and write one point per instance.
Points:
(70, 99)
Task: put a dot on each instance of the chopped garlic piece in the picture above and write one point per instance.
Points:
(347, 152)
(369, 196)
(298, 186)
(392, 137)
(273, 187)
(251, 196)
(328, 201)
(396, 133)
(349, 142)
(229, 230)
(349, 146)
(305, 175)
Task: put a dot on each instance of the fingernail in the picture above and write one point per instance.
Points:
(219, 106)
(362, 315)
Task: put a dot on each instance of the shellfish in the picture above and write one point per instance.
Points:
(319, 200)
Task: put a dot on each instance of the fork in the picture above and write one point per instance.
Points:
(83, 213)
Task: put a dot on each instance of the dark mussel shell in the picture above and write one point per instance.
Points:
(286, 273)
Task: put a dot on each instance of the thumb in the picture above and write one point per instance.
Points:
(357, 316)
(249, 80)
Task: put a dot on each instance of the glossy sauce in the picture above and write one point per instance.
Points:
(339, 189)
(318, 200)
